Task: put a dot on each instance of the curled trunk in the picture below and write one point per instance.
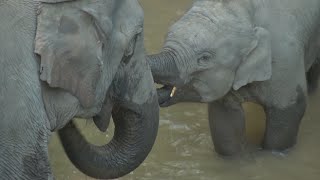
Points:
(135, 132)
(163, 67)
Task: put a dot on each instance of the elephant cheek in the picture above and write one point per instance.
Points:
(214, 84)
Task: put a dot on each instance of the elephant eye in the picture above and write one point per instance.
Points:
(130, 49)
(205, 58)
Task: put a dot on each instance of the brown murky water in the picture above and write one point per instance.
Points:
(184, 150)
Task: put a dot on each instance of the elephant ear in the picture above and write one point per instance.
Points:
(70, 48)
(257, 65)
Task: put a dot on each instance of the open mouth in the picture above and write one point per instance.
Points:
(166, 95)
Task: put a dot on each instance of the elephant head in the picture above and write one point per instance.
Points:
(211, 50)
(92, 53)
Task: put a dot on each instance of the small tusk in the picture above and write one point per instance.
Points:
(173, 91)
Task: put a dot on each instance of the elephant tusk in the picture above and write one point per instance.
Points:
(174, 89)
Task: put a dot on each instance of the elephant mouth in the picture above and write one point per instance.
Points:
(167, 95)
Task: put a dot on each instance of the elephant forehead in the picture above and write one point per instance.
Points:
(223, 16)
(194, 36)
(191, 31)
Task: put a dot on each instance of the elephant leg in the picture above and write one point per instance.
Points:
(283, 124)
(284, 95)
(227, 126)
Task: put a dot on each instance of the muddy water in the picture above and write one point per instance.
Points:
(184, 150)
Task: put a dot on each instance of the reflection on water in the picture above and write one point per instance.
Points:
(184, 150)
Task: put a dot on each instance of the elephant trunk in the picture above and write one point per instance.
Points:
(163, 67)
(136, 128)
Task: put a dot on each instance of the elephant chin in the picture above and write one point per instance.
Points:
(136, 129)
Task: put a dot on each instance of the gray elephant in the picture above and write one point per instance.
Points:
(89, 61)
(231, 51)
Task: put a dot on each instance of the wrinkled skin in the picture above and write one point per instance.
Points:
(61, 60)
(232, 51)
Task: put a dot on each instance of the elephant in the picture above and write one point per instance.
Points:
(228, 52)
(67, 59)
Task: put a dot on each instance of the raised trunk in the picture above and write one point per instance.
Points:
(163, 67)
(135, 132)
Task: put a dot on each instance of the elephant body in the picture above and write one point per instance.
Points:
(24, 125)
(228, 52)
(61, 59)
